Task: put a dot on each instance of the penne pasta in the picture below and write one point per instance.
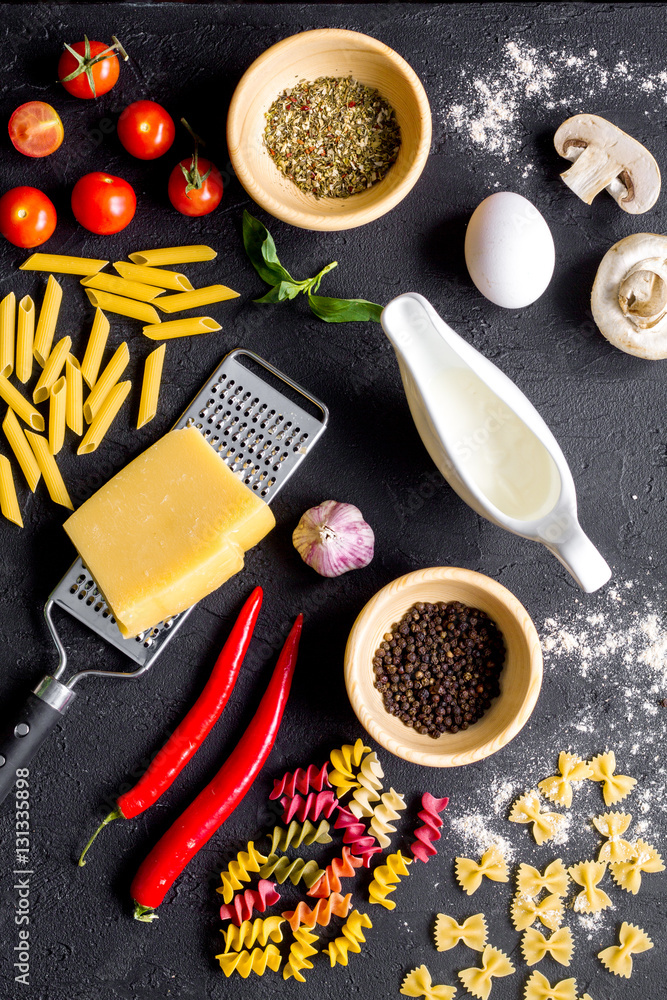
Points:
(97, 341)
(48, 317)
(122, 286)
(106, 382)
(181, 328)
(20, 405)
(154, 276)
(74, 395)
(52, 370)
(49, 469)
(9, 503)
(192, 300)
(57, 408)
(150, 388)
(7, 334)
(104, 418)
(63, 264)
(25, 338)
(24, 454)
(172, 255)
(122, 306)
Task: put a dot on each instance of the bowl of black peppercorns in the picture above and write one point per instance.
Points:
(443, 666)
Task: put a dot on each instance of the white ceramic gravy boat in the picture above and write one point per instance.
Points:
(487, 439)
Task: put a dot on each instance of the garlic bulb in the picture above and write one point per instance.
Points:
(333, 538)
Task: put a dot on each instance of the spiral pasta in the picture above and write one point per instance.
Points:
(362, 844)
(385, 879)
(302, 781)
(422, 847)
(314, 805)
(294, 869)
(339, 868)
(336, 905)
(250, 932)
(350, 940)
(297, 834)
(245, 862)
(345, 763)
(242, 907)
(369, 778)
(299, 954)
(245, 962)
(385, 812)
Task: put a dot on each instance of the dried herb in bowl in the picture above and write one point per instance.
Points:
(334, 137)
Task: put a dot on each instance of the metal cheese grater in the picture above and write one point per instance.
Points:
(263, 436)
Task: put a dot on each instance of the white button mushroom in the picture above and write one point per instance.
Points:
(629, 297)
(606, 157)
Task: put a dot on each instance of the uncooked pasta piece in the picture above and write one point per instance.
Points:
(50, 471)
(127, 287)
(363, 845)
(9, 504)
(52, 370)
(526, 809)
(301, 781)
(492, 865)
(336, 905)
(588, 874)
(48, 317)
(385, 879)
(367, 792)
(171, 255)
(154, 276)
(243, 906)
(525, 911)
(57, 412)
(628, 874)
(614, 786)
(259, 931)
(191, 327)
(479, 981)
(418, 983)
(314, 805)
(294, 869)
(25, 338)
(632, 941)
(22, 450)
(7, 334)
(74, 395)
(535, 946)
(299, 954)
(612, 825)
(104, 418)
(239, 871)
(554, 880)
(131, 308)
(350, 940)
(345, 763)
(384, 814)
(106, 381)
(472, 932)
(62, 264)
(150, 387)
(559, 788)
(330, 880)
(538, 987)
(422, 847)
(298, 834)
(20, 405)
(178, 301)
(245, 962)
(97, 341)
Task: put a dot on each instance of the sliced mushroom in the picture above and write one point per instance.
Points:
(606, 157)
(629, 297)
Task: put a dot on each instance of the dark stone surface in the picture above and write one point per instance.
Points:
(606, 409)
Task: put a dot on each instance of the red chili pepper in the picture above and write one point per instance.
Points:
(217, 801)
(194, 727)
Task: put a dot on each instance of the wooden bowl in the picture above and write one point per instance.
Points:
(520, 679)
(306, 56)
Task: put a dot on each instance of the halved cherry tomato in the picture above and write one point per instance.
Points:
(89, 69)
(146, 130)
(195, 186)
(35, 129)
(27, 217)
(103, 203)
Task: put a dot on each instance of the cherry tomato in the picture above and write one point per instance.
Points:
(27, 217)
(103, 203)
(35, 129)
(204, 182)
(89, 69)
(146, 130)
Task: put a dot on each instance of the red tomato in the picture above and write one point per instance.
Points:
(35, 129)
(103, 203)
(146, 130)
(195, 186)
(89, 69)
(27, 217)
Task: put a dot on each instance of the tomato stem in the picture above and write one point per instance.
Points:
(193, 179)
(85, 62)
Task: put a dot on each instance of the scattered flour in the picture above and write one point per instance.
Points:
(473, 828)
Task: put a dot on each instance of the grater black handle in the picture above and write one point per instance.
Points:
(21, 738)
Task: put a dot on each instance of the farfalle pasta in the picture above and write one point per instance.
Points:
(526, 809)
(628, 874)
(538, 987)
(301, 781)
(350, 939)
(492, 865)
(472, 932)
(525, 911)
(314, 805)
(615, 787)
(559, 787)
(611, 825)
(345, 763)
(369, 785)
(418, 983)
(385, 879)
(259, 931)
(244, 905)
(239, 871)
(494, 965)
(531, 882)
(422, 847)
(245, 962)
(335, 906)
(296, 870)
(298, 834)
(362, 844)
(591, 899)
(618, 958)
(535, 946)
(299, 955)
(384, 814)
(330, 880)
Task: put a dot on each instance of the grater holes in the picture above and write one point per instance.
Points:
(280, 461)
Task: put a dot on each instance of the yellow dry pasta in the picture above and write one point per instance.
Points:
(172, 255)
(52, 370)
(103, 418)
(57, 413)
(526, 809)
(591, 899)
(632, 941)
(350, 940)
(245, 962)
(97, 341)
(385, 879)
(22, 451)
(181, 328)
(418, 983)
(299, 954)
(492, 864)
(611, 825)
(345, 762)
(122, 286)
(538, 987)
(122, 306)
(62, 264)
(7, 334)
(559, 788)
(193, 300)
(554, 880)
(384, 814)
(48, 317)
(369, 787)
(628, 874)
(479, 981)
(106, 381)
(20, 405)
(49, 469)
(525, 911)
(9, 504)
(239, 871)
(535, 946)
(150, 387)
(74, 395)
(154, 276)
(25, 338)
(614, 786)
(472, 932)
(250, 932)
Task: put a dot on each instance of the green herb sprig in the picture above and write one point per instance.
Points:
(263, 255)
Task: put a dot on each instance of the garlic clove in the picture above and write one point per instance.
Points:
(333, 538)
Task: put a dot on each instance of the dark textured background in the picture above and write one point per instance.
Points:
(606, 408)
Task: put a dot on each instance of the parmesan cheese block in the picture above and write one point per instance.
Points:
(167, 530)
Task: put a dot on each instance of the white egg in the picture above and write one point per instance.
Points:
(509, 250)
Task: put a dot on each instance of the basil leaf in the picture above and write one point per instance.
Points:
(280, 292)
(262, 252)
(344, 310)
